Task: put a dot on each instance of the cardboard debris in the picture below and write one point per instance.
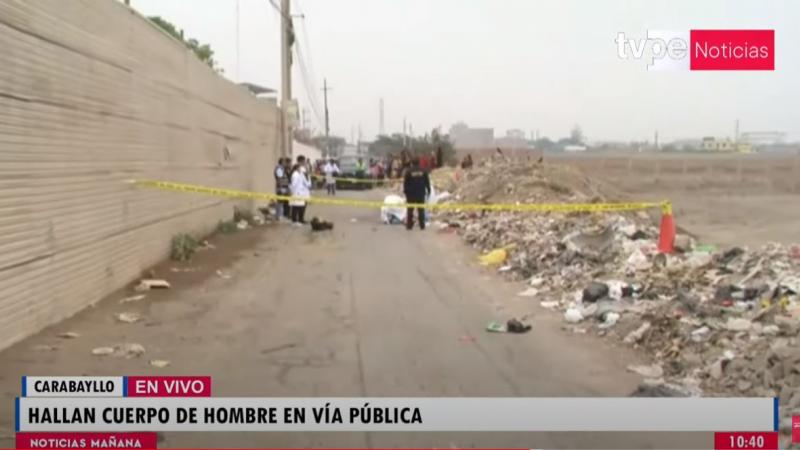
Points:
(127, 350)
(128, 317)
(45, 348)
(223, 275)
(134, 298)
(69, 335)
(148, 284)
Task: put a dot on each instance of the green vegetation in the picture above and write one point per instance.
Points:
(183, 247)
(202, 51)
(227, 227)
(417, 146)
(242, 214)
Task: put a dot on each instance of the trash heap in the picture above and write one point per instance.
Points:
(715, 321)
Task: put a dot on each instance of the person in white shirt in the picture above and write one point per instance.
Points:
(301, 190)
(330, 170)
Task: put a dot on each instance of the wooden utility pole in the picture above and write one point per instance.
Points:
(287, 36)
(325, 90)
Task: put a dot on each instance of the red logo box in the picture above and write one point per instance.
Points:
(796, 429)
(732, 49)
(181, 386)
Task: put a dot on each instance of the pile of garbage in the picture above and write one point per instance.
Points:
(716, 321)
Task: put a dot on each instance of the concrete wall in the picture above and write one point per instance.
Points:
(91, 95)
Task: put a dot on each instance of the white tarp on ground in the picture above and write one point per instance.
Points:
(389, 211)
(311, 153)
(393, 214)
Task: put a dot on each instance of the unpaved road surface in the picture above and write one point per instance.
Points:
(365, 310)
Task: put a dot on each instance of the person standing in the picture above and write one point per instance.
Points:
(439, 157)
(466, 163)
(287, 169)
(330, 170)
(417, 187)
(405, 162)
(301, 191)
(361, 168)
(281, 188)
(389, 165)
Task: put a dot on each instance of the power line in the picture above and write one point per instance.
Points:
(306, 69)
(280, 11)
(305, 63)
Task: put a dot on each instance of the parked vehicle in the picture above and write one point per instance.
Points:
(347, 169)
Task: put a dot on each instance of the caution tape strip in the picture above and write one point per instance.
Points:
(665, 206)
(360, 180)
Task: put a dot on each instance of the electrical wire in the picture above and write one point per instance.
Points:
(305, 65)
(302, 49)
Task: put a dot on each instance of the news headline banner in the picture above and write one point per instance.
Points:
(132, 414)
(133, 386)
(666, 207)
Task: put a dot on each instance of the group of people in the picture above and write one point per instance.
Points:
(399, 165)
(292, 181)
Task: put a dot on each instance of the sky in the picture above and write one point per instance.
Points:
(543, 65)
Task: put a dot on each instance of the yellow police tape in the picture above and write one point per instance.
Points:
(360, 180)
(666, 206)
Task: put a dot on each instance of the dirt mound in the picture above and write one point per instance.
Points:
(503, 181)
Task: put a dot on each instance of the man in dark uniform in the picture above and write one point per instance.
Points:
(281, 188)
(417, 187)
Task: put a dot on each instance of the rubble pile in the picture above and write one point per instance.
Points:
(715, 322)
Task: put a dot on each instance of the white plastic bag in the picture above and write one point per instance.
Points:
(392, 214)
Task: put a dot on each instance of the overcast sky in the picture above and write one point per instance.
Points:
(527, 64)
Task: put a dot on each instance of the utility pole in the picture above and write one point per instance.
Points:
(404, 133)
(325, 90)
(287, 37)
(360, 138)
(304, 118)
(381, 128)
(238, 72)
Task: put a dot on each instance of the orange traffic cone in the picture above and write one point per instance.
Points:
(666, 237)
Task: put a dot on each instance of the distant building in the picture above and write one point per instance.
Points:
(514, 139)
(712, 144)
(311, 153)
(350, 150)
(758, 138)
(574, 148)
(465, 138)
(515, 134)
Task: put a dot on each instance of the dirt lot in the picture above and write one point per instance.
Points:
(722, 199)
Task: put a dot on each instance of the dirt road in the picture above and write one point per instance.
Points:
(365, 310)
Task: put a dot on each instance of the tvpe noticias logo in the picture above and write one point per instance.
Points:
(796, 429)
(701, 49)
